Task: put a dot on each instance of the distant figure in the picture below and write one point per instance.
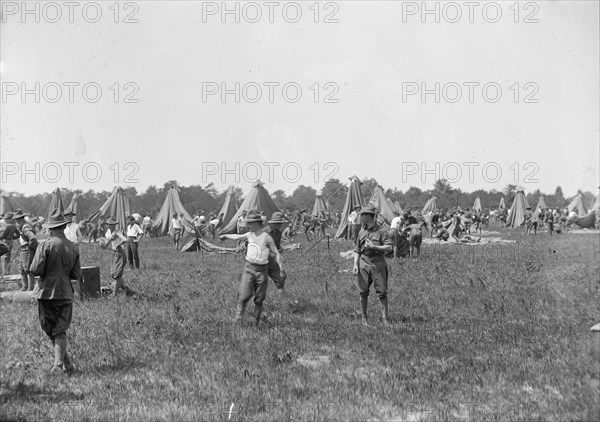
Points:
(147, 225)
(28, 244)
(114, 240)
(134, 235)
(72, 231)
(8, 235)
(175, 229)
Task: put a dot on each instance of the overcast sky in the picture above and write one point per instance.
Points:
(360, 109)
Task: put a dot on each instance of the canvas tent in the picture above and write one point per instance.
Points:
(596, 206)
(56, 203)
(577, 205)
(397, 204)
(541, 205)
(319, 208)
(257, 199)
(430, 206)
(516, 215)
(502, 204)
(172, 205)
(74, 206)
(381, 202)
(477, 205)
(353, 199)
(116, 205)
(6, 204)
(228, 209)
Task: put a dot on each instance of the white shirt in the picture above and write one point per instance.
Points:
(352, 217)
(133, 230)
(73, 233)
(176, 223)
(258, 251)
(395, 224)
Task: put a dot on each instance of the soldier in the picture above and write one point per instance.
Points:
(134, 235)
(372, 243)
(115, 240)
(56, 262)
(275, 273)
(255, 276)
(9, 234)
(28, 246)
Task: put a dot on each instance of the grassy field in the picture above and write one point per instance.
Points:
(478, 334)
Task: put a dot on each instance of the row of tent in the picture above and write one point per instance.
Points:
(117, 206)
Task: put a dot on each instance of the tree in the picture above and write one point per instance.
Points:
(335, 193)
(281, 200)
(303, 197)
(368, 187)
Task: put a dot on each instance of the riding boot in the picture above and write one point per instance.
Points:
(24, 282)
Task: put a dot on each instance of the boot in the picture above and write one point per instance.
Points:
(364, 301)
(68, 365)
(258, 310)
(24, 282)
(31, 278)
(239, 313)
(384, 311)
(60, 348)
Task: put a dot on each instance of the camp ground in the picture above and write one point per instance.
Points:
(507, 288)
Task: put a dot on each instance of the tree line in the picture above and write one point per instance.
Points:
(207, 199)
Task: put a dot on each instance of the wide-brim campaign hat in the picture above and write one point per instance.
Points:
(111, 220)
(56, 219)
(277, 218)
(18, 214)
(369, 209)
(253, 217)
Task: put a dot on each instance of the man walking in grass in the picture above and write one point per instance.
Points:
(371, 245)
(56, 262)
(255, 276)
(115, 240)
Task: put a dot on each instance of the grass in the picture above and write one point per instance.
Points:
(478, 333)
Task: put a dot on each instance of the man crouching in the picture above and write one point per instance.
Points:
(56, 262)
(372, 243)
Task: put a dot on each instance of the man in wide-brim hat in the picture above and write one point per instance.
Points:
(56, 262)
(28, 245)
(275, 273)
(371, 245)
(114, 240)
(8, 235)
(255, 276)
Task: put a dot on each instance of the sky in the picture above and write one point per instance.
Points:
(490, 95)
